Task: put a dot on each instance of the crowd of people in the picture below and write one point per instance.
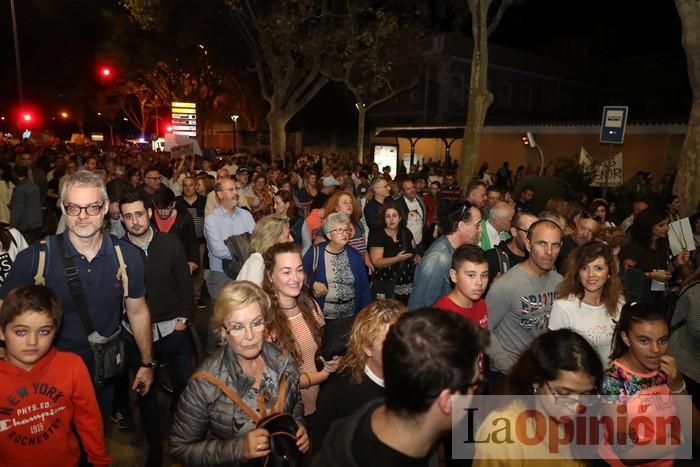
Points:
(345, 307)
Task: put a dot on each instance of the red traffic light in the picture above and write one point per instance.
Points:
(106, 71)
(27, 117)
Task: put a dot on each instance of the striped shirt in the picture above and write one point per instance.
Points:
(307, 347)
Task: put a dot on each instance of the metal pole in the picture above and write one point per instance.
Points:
(20, 93)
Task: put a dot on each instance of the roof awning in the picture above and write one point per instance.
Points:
(420, 132)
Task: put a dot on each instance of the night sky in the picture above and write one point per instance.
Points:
(59, 39)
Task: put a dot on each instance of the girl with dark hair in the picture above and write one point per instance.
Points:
(641, 366)
(296, 319)
(561, 367)
(590, 296)
(601, 208)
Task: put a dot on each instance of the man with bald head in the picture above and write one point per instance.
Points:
(495, 229)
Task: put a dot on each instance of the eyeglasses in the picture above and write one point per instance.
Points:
(586, 400)
(520, 230)
(341, 230)
(91, 209)
(238, 329)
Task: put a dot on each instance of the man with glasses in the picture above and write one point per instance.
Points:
(428, 356)
(84, 203)
(151, 183)
(520, 302)
(169, 299)
(223, 222)
(508, 253)
(461, 225)
(586, 225)
(375, 207)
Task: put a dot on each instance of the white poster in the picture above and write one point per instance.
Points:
(607, 173)
(386, 155)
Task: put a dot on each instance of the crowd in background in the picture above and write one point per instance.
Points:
(302, 268)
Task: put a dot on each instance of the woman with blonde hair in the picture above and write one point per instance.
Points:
(268, 231)
(360, 377)
(209, 428)
(590, 296)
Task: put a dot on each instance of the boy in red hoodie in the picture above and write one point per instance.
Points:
(44, 393)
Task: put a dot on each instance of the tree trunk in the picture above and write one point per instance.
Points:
(277, 122)
(480, 98)
(687, 185)
(361, 118)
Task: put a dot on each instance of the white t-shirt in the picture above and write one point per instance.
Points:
(17, 244)
(414, 222)
(592, 322)
(253, 269)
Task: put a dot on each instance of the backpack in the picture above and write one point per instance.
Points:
(281, 425)
(239, 247)
(40, 279)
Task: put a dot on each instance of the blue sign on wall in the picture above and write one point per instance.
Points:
(612, 128)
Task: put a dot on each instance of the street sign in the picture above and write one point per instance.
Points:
(612, 128)
(184, 118)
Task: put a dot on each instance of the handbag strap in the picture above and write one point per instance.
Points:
(282, 393)
(76, 289)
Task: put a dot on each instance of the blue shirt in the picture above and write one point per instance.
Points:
(432, 278)
(103, 292)
(220, 225)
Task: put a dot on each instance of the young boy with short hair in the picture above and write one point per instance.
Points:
(470, 274)
(44, 393)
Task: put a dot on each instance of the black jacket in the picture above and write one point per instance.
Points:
(184, 230)
(168, 281)
(337, 448)
(339, 397)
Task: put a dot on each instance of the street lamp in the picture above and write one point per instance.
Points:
(234, 119)
(64, 115)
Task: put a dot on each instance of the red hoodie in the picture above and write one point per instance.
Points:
(37, 408)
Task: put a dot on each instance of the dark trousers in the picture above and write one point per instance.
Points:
(176, 350)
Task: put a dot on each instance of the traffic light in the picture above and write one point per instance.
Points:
(105, 73)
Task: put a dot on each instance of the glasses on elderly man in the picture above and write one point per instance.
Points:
(91, 209)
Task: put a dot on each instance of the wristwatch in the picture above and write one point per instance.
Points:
(152, 365)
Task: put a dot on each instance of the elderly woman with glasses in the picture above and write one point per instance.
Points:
(209, 428)
(336, 272)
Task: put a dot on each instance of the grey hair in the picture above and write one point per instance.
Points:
(86, 179)
(333, 219)
(500, 211)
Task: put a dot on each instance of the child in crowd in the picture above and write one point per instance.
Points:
(45, 395)
(641, 367)
(470, 273)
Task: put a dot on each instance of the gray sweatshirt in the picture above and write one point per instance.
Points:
(519, 305)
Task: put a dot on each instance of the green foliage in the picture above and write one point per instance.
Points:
(577, 178)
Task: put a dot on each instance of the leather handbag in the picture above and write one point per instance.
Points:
(281, 425)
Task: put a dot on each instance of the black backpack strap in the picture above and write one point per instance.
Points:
(503, 260)
(76, 289)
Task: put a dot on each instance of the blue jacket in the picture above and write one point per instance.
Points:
(363, 296)
(432, 277)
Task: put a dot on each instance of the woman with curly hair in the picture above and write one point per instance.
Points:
(296, 319)
(360, 378)
(590, 296)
